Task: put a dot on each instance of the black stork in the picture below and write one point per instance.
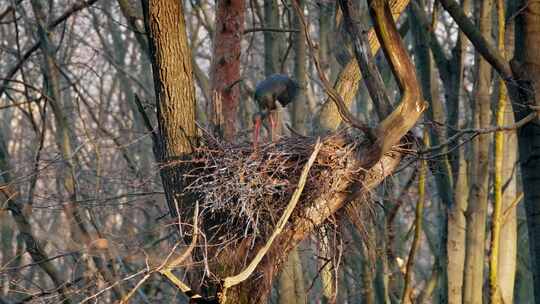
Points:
(275, 87)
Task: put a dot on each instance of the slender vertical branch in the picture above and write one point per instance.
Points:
(418, 220)
(496, 223)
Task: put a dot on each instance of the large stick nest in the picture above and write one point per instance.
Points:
(242, 193)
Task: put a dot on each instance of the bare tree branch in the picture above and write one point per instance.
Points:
(486, 49)
(68, 13)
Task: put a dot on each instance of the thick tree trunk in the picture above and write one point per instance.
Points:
(175, 92)
(526, 68)
(507, 262)
(225, 69)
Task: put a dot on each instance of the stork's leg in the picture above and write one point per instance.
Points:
(273, 126)
(256, 131)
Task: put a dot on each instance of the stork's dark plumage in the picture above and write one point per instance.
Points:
(275, 87)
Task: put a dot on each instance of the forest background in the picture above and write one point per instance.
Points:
(407, 170)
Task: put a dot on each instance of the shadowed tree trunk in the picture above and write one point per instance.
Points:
(272, 41)
(526, 68)
(327, 32)
(440, 167)
(300, 105)
(451, 71)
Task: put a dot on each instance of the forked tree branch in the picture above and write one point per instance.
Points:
(402, 119)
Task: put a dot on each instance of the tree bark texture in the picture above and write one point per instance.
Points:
(478, 199)
(175, 91)
(526, 68)
(225, 69)
(509, 231)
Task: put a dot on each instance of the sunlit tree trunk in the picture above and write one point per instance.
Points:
(478, 199)
(175, 93)
(503, 251)
(508, 246)
(225, 69)
(509, 232)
